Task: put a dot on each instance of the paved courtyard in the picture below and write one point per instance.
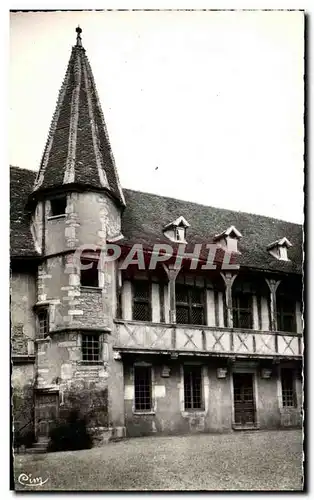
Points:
(270, 460)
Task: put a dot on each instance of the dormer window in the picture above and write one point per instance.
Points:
(228, 239)
(180, 233)
(279, 249)
(176, 230)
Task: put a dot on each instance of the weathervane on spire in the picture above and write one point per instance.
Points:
(78, 38)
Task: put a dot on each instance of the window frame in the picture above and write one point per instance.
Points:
(91, 260)
(57, 200)
(188, 370)
(39, 311)
(286, 397)
(237, 310)
(151, 407)
(141, 300)
(281, 314)
(91, 336)
(190, 305)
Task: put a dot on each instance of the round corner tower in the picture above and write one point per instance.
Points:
(76, 203)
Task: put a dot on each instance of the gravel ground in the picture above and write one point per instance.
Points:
(270, 460)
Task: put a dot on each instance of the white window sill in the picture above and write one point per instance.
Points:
(54, 217)
(193, 413)
(90, 288)
(145, 412)
(89, 364)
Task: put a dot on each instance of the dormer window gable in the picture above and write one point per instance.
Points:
(279, 248)
(176, 231)
(228, 239)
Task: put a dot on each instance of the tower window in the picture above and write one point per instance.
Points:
(90, 348)
(89, 273)
(58, 205)
(43, 323)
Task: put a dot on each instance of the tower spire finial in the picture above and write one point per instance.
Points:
(78, 37)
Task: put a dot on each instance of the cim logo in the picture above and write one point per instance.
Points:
(28, 480)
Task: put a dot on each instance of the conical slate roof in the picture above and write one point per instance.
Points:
(78, 151)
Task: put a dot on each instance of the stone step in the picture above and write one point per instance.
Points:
(38, 447)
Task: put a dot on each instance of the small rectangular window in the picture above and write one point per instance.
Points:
(90, 348)
(141, 300)
(58, 205)
(288, 387)
(143, 388)
(89, 273)
(193, 388)
(43, 323)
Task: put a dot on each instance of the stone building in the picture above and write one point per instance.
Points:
(155, 341)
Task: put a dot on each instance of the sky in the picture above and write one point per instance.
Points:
(200, 106)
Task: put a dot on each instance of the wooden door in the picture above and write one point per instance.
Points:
(46, 410)
(243, 397)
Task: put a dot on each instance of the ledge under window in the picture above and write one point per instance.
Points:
(193, 413)
(90, 364)
(144, 412)
(54, 217)
(90, 289)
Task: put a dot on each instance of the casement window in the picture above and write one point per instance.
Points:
(242, 303)
(286, 316)
(42, 323)
(142, 300)
(142, 388)
(193, 397)
(89, 277)
(58, 205)
(190, 305)
(242, 310)
(288, 387)
(90, 348)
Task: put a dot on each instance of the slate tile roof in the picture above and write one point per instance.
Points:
(147, 214)
(78, 149)
(21, 240)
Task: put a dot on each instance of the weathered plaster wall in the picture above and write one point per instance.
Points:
(22, 374)
(98, 218)
(268, 401)
(23, 297)
(169, 417)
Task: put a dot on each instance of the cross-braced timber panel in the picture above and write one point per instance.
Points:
(217, 341)
(288, 345)
(243, 343)
(189, 339)
(265, 344)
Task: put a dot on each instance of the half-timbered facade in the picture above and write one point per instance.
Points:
(193, 322)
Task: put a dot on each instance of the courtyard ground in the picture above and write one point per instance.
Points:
(270, 460)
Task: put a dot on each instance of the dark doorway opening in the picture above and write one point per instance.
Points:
(244, 400)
